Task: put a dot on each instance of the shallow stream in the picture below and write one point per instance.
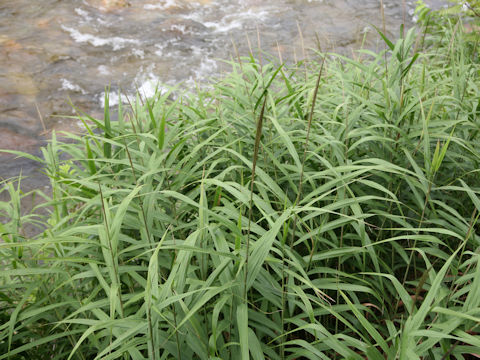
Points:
(55, 50)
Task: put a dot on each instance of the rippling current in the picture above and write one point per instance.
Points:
(55, 50)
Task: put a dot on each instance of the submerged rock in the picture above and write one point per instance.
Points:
(11, 140)
(182, 26)
(108, 5)
(19, 83)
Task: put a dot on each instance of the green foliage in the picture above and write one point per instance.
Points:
(285, 213)
(460, 13)
(464, 7)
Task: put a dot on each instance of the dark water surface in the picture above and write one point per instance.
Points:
(52, 50)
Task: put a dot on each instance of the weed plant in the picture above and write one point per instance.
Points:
(322, 211)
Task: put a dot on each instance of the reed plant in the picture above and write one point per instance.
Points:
(325, 210)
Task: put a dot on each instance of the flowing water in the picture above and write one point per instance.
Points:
(55, 50)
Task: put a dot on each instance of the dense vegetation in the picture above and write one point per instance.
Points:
(327, 210)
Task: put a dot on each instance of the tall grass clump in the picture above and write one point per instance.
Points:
(325, 211)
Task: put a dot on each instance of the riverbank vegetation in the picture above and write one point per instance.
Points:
(324, 210)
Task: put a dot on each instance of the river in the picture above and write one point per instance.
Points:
(52, 51)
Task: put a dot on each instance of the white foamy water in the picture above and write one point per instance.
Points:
(67, 85)
(84, 14)
(103, 70)
(146, 84)
(162, 5)
(115, 42)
